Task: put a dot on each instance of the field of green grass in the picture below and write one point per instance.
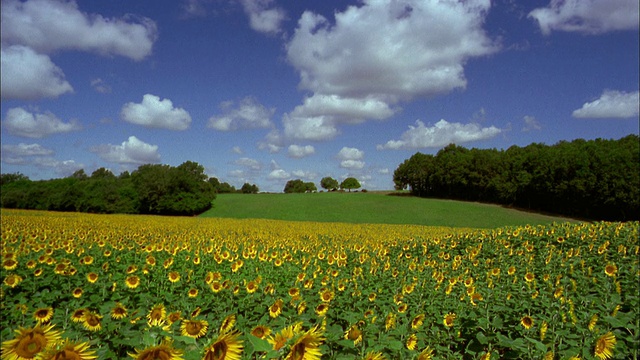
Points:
(371, 208)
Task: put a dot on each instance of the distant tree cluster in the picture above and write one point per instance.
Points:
(299, 186)
(225, 188)
(151, 189)
(327, 183)
(595, 179)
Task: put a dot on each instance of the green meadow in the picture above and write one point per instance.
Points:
(371, 207)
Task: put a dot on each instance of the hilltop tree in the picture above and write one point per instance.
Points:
(350, 183)
(249, 189)
(329, 183)
(299, 186)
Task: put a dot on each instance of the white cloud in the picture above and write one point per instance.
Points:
(587, 16)
(132, 151)
(100, 86)
(611, 104)
(273, 142)
(441, 134)
(352, 164)
(156, 113)
(262, 18)
(530, 123)
(278, 174)
(20, 122)
(48, 25)
(378, 54)
(249, 114)
(237, 150)
(249, 163)
(297, 151)
(27, 75)
(22, 153)
(307, 175)
(348, 153)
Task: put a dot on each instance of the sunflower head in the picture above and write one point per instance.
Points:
(91, 321)
(527, 322)
(69, 350)
(261, 331)
(227, 324)
(119, 312)
(164, 351)
(194, 328)
(307, 346)
(449, 319)
(29, 342)
(43, 315)
(227, 346)
(604, 346)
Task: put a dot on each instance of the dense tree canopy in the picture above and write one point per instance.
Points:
(299, 186)
(596, 179)
(151, 189)
(350, 183)
(329, 183)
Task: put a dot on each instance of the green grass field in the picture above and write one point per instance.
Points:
(371, 208)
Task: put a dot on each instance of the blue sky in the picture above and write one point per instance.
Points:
(265, 91)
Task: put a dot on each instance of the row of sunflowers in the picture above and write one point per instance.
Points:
(80, 286)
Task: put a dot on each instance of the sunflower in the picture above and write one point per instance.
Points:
(69, 350)
(43, 315)
(302, 306)
(156, 316)
(412, 341)
(215, 286)
(604, 346)
(354, 334)
(77, 292)
(91, 321)
(194, 328)
(390, 321)
(173, 317)
(511, 270)
(321, 309)
(29, 342)
(529, 277)
(374, 355)
(294, 292)
(276, 309)
(279, 339)
(592, 322)
(449, 319)
(417, 321)
(326, 296)
(196, 311)
(611, 269)
(163, 351)
(527, 322)
(251, 287)
(306, 347)
(193, 292)
(543, 330)
(261, 331)
(426, 354)
(227, 324)
(174, 276)
(118, 312)
(226, 347)
(402, 308)
(37, 272)
(9, 264)
(78, 315)
(132, 281)
(12, 280)
(92, 277)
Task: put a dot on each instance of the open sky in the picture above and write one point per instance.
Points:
(265, 91)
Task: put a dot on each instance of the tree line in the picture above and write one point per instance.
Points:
(151, 189)
(328, 183)
(594, 179)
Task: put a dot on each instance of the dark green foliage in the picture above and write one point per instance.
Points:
(151, 189)
(329, 183)
(596, 179)
(249, 189)
(299, 186)
(350, 183)
(221, 188)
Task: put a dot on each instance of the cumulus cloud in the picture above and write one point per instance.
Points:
(441, 134)
(21, 122)
(587, 16)
(262, 17)
(351, 158)
(611, 104)
(31, 23)
(249, 163)
(278, 174)
(100, 86)
(297, 151)
(19, 154)
(132, 151)
(27, 75)
(307, 175)
(249, 114)
(156, 113)
(530, 123)
(378, 54)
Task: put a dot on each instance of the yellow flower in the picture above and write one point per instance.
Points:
(417, 321)
(354, 334)
(69, 350)
(543, 330)
(449, 319)
(193, 292)
(226, 347)
(12, 280)
(227, 324)
(426, 354)
(251, 287)
(164, 351)
(412, 341)
(29, 342)
(307, 346)
(92, 277)
(261, 331)
(604, 346)
(529, 277)
(194, 328)
(276, 309)
(374, 355)
(321, 309)
(118, 312)
(156, 316)
(592, 322)
(91, 321)
(9, 264)
(611, 269)
(279, 340)
(43, 315)
(390, 321)
(77, 292)
(527, 322)
(132, 281)
(78, 315)
(174, 276)
(326, 296)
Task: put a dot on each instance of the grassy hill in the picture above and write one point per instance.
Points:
(371, 208)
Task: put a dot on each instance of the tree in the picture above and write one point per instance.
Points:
(310, 187)
(249, 189)
(294, 186)
(350, 183)
(9, 178)
(329, 183)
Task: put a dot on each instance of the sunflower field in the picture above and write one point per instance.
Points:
(81, 286)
